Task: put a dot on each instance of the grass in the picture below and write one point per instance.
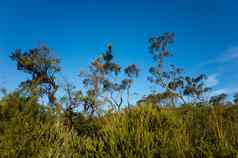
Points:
(144, 131)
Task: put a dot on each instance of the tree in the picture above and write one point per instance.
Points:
(104, 84)
(70, 101)
(195, 88)
(42, 66)
(218, 99)
(3, 91)
(165, 99)
(96, 79)
(116, 87)
(131, 71)
(235, 98)
(170, 77)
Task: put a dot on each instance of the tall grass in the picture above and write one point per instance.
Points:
(143, 131)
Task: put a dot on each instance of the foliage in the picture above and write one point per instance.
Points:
(103, 84)
(236, 98)
(169, 76)
(218, 99)
(143, 131)
(70, 101)
(42, 66)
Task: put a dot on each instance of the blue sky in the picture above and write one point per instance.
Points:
(79, 30)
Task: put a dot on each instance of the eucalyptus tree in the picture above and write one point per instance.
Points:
(218, 99)
(42, 66)
(3, 91)
(195, 88)
(104, 82)
(235, 98)
(71, 102)
(168, 76)
(165, 99)
(131, 71)
(95, 79)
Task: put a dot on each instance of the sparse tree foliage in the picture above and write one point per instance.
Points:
(42, 66)
(235, 98)
(196, 88)
(131, 71)
(218, 99)
(170, 77)
(3, 91)
(70, 102)
(103, 82)
(96, 79)
(165, 99)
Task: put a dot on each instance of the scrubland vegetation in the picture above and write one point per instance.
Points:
(99, 119)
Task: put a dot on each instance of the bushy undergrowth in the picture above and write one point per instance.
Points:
(143, 131)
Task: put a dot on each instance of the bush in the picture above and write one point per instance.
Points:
(143, 131)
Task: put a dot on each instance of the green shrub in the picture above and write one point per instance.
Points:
(142, 131)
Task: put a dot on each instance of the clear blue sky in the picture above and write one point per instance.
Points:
(78, 30)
